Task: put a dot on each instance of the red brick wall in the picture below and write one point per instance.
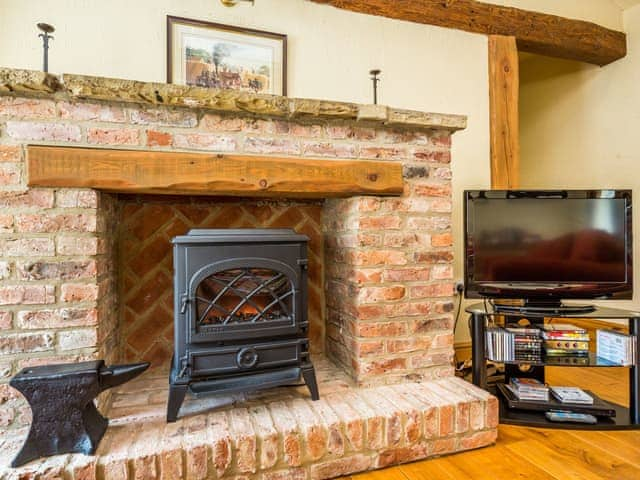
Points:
(389, 268)
(147, 225)
(388, 260)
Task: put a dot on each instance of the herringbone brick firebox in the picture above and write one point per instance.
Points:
(86, 273)
(147, 225)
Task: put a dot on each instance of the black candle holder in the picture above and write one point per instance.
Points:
(46, 30)
(375, 80)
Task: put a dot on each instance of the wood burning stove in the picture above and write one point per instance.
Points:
(240, 313)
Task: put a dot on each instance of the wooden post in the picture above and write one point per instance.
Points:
(503, 109)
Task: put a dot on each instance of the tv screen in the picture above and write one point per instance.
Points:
(543, 244)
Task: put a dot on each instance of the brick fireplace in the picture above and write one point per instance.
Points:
(86, 273)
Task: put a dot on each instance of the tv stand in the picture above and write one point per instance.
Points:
(548, 307)
(481, 314)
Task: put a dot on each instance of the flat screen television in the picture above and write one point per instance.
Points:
(546, 246)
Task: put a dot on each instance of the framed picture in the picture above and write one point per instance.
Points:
(221, 56)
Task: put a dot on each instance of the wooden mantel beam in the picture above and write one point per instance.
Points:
(535, 32)
(182, 173)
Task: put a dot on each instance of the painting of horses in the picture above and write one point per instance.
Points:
(212, 55)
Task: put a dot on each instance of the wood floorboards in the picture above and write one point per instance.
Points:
(545, 454)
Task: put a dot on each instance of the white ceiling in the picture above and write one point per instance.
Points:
(626, 3)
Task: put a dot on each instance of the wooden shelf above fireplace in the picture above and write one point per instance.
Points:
(184, 173)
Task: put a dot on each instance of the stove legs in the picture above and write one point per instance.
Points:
(176, 397)
(177, 392)
(309, 375)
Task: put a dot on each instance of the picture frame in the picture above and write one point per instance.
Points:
(215, 55)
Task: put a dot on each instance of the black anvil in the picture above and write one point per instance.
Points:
(61, 397)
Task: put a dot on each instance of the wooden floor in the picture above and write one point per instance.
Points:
(542, 453)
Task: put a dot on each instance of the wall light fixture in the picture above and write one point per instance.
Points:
(233, 3)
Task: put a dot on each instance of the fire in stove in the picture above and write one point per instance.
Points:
(247, 295)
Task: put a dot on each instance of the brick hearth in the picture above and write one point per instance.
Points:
(279, 434)
(87, 274)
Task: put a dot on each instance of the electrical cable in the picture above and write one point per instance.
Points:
(455, 324)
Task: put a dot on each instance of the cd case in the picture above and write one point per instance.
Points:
(600, 408)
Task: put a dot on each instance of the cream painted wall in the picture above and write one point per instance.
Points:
(602, 12)
(127, 38)
(580, 126)
(330, 52)
(626, 3)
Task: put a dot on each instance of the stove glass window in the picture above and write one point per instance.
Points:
(242, 296)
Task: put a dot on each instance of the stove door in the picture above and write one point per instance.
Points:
(239, 300)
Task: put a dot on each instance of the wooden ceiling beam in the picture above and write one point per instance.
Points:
(535, 32)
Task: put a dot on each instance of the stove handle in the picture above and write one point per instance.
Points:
(183, 304)
(185, 367)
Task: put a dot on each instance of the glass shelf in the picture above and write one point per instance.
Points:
(529, 418)
(590, 360)
(602, 313)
